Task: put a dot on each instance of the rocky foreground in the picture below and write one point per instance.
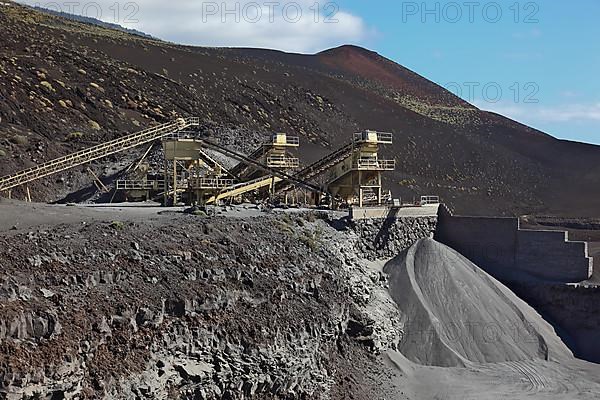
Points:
(195, 307)
(248, 304)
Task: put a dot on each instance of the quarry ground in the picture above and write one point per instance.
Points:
(152, 303)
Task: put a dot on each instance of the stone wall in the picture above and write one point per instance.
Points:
(499, 246)
(572, 308)
(385, 238)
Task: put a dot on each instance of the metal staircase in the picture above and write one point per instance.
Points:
(96, 152)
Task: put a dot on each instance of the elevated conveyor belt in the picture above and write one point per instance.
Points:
(255, 155)
(245, 187)
(94, 153)
(321, 166)
(264, 168)
(214, 165)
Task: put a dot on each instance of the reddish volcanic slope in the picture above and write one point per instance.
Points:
(371, 66)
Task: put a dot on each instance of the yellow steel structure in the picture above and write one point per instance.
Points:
(357, 178)
(274, 153)
(353, 172)
(96, 152)
(277, 155)
(189, 167)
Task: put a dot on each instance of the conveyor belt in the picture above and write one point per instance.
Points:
(255, 155)
(264, 168)
(94, 153)
(245, 187)
(319, 167)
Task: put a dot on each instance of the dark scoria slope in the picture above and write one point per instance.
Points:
(66, 85)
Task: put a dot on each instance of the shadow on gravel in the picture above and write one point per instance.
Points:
(90, 191)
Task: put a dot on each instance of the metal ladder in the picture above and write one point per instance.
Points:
(94, 153)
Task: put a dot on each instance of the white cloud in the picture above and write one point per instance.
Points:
(538, 113)
(295, 26)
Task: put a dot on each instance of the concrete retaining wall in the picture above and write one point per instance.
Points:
(488, 242)
(500, 247)
(550, 255)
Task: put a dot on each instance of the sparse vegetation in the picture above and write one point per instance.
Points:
(94, 125)
(285, 227)
(285, 217)
(20, 140)
(47, 85)
(117, 225)
(311, 238)
(97, 87)
(74, 136)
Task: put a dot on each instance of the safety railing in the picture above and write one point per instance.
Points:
(209, 183)
(374, 164)
(140, 185)
(285, 140)
(282, 162)
(373, 137)
(425, 200)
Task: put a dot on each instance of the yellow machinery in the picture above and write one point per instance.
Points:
(245, 187)
(188, 168)
(278, 155)
(352, 173)
(273, 153)
(357, 179)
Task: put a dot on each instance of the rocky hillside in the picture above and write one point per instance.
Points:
(184, 306)
(250, 304)
(66, 85)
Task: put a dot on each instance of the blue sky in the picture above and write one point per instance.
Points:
(533, 61)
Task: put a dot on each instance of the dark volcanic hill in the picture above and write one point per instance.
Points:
(93, 21)
(65, 85)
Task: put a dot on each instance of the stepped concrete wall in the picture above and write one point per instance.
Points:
(499, 246)
(552, 256)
